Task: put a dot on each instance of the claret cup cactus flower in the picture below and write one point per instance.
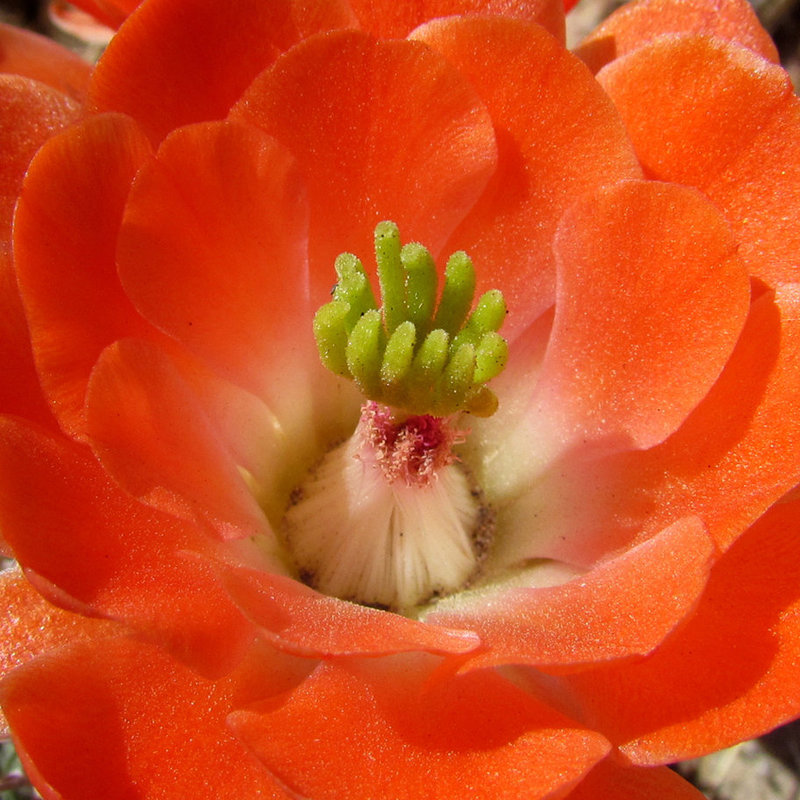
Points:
(397, 404)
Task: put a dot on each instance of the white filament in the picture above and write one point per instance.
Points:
(357, 535)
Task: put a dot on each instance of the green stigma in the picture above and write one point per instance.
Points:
(408, 353)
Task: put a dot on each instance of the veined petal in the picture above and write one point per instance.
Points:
(729, 674)
(745, 113)
(557, 137)
(395, 20)
(619, 609)
(638, 23)
(212, 250)
(475, 735)
(360, 117)
(174, 63)
(127, 721)
(117, 558)
(32, 56)
(651, 299)
(65, 235)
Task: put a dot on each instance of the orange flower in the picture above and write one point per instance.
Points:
(238, 578)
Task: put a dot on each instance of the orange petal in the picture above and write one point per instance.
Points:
(212, 250)
(622, 608)
(380, 130)
(65, 241)
(390, 20)
(639, 23)
(377, 723)
(735, 134)
(558, 137)
(609, 779)
(650, 301)
(31, 626)
(272, 452)
(738, 453)
(299, 620)
(30, 113)
(20, 392)
(729, 674)
(174, 63)
(115, 557)
(26, 53)
(151, 432)
(126, 721)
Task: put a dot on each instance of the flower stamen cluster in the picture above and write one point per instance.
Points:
(408, 353)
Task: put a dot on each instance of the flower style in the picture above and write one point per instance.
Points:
(243, 574)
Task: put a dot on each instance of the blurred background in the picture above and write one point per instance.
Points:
(764, 769)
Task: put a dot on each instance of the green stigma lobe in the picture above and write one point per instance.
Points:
(408, 353)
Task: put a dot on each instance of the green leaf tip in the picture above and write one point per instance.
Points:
(409, 353)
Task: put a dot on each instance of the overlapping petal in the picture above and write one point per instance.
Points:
(650, 301)
(745, 426)
(360, 116)
(176, 250)
(30, 113)
(65, 240)
(729, 674)
(302, 621)
(32, 56)
(638, 23)
(150, 431)
(476, 734)
(84, 721)
(174, 63)
(136, 573)
(31, 626)
(621, 609)
(746, 114)
(395, 20)
(543, 103)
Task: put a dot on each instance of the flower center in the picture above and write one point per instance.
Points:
(391, 516)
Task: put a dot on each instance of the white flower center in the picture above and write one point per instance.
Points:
(389, 518)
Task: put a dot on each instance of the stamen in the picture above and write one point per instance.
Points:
(410, 354)
(389, 518)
